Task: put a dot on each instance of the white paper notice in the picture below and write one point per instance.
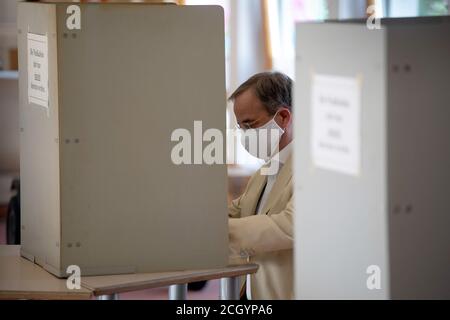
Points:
(38, 69)
(336, 108)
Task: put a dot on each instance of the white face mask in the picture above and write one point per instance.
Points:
(263, 142)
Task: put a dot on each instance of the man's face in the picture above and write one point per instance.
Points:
(249, 111)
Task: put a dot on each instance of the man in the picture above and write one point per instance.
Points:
(260, 224)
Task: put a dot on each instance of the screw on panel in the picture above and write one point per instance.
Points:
(65, 35)
(407, 68)
(74, 35)
(69, 245)
(397, 209)
(77, 140)
(78, 244)
(67, 140)
(395, 68)
(409, 209)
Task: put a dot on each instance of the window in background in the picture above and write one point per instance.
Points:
(283, 15)
(414, 8)
(433, 7)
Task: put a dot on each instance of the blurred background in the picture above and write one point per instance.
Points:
(259, 36)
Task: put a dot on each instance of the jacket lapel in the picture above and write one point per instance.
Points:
(284, 176)
(260, 183)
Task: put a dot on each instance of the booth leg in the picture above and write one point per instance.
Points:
(114, 296)
(178, 292)
(229, 288)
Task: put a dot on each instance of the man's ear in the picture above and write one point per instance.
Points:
(285, 117)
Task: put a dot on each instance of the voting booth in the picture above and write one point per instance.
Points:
(372, 156)
(103, 87)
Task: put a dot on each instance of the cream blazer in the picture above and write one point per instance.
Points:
(265, 239)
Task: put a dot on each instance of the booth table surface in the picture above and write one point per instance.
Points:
(21, 279)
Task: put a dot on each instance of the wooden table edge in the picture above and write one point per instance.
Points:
(241, 270)
(50, 295)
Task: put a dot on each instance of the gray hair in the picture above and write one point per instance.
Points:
(273, 89)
